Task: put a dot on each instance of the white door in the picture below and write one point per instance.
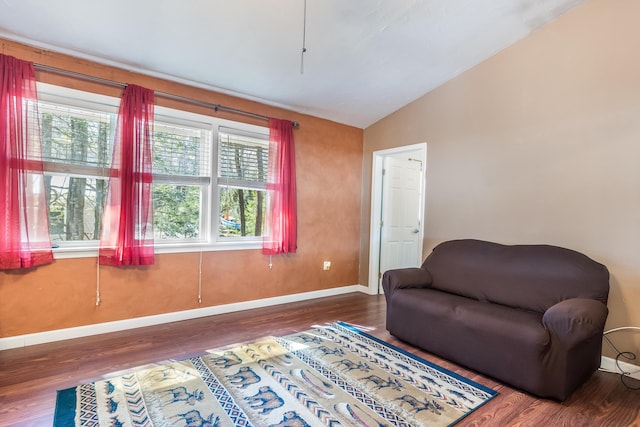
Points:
(400, 227)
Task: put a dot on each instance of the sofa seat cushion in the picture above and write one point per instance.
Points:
(505, 343)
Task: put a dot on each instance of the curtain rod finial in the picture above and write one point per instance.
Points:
(295, 125)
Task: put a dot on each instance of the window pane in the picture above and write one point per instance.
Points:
(242, 157)
(176, 211)
(76, 136)
(180, 150)
(75, 207)
(77, 141)
(241, 212)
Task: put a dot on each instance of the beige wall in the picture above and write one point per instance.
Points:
(329, 158)
(539, 144)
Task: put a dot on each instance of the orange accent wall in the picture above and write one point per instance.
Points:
(329, 180)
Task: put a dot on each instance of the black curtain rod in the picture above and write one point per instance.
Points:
(215, 107)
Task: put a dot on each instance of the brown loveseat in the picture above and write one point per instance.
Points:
(531, 316)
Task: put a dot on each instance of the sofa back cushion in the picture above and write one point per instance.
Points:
(532, 277)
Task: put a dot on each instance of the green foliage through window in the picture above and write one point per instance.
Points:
(77, 134)
(242, 170)
(176, 211)
(241, 212)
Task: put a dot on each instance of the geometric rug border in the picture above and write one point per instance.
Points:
(491, 392)
(65, 407)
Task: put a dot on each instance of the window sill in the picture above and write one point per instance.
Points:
(92, 251)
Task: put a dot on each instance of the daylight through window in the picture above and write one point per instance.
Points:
(242, 171)
(77, 132)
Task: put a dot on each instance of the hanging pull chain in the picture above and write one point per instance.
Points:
(98, 283)
(304, 38)
(200, 279)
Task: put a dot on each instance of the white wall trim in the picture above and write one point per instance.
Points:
(608, 364)
(139, 322)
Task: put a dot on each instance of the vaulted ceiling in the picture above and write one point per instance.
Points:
(364, 59)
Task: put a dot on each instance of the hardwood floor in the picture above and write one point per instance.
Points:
(29, 377)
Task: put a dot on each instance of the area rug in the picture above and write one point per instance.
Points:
(331, 375)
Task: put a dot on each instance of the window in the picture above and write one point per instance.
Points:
(197, 202)
(242, 183)
(76, 153)
(181, 180)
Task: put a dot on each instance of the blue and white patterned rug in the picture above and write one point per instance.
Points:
(333, 375)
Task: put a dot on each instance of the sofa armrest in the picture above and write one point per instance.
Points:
(576, 319)
(405, 278)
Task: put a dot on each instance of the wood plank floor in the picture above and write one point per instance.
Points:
(29, 377)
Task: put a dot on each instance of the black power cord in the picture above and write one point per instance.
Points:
(627, 355)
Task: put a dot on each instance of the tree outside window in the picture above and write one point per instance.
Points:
(77, 132)
(242, 164)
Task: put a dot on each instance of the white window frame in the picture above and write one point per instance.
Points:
(210, 209)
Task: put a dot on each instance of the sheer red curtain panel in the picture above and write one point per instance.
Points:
(24, 224)
(127, 233)
(281, 220)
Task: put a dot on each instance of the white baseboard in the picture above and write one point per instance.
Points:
(120, 325)
(608, 364)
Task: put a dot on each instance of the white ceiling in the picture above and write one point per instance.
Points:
(364, 60)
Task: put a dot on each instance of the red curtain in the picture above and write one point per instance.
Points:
(127, 233)
(24, 223)
(281, 220)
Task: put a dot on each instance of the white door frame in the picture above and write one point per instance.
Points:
(417, 150)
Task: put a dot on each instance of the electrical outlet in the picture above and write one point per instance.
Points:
(327, 265)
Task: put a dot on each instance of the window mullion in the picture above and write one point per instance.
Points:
(238, 183)
(181, 179)
(76, 170)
